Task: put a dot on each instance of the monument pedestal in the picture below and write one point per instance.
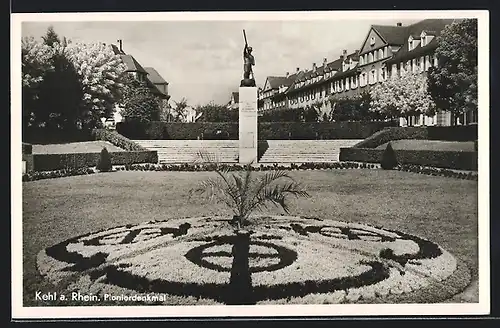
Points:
(248, 125)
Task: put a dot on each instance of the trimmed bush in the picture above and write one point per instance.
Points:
(444, 133)
(116, 139)
(104, 162)
(392, 133)
(266, 130)
(50, 162)
(458, 160)
(389, 160)
(453, 133)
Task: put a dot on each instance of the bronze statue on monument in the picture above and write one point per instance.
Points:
(248, 62)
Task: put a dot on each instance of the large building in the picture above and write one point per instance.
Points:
(385, 51)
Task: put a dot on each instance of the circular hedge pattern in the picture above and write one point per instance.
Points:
(280, 260)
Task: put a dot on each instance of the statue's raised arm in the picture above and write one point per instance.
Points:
(248, 62)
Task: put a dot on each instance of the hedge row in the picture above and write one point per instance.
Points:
(445, 159)
(116, 139)
(33, 176)
(50, 162)
(177, 131)
(27, 148)
(444, 133)
(239, 167)
(266, 130)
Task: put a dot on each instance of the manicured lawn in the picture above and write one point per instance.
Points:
(430, 145)
(443, 210)
(75, 147)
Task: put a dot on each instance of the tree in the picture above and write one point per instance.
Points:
(389, 160)
(453, 83)
(402, 96)
(217, 113)
(137, 101)
(352, 108)
(311, 114)
(61, 91)
(100, 71)
(283, 115)
(243, 193)
(36, 62)
(104, 163)
(178, 112)
(51, 38)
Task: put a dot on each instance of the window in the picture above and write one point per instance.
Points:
(361, 60)
(381, 53)
(372, 40)
(370, 57)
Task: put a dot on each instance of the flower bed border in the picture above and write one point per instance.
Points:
(33, 176)
(436, 291)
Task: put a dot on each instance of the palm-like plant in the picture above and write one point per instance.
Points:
(243, 193)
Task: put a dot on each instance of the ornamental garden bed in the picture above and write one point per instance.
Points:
(283, 260)
(57, 210)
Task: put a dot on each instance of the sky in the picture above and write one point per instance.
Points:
(202, 60)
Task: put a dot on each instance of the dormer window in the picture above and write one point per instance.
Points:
(410, 43)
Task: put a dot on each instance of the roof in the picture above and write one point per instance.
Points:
(235, 96)
(276, 81)
(436, 25)
(335, 65)
(398, 35)
(393, 35)
(354, 56)
(132, 64)
(154, 76)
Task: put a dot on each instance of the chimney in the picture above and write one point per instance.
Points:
(287, 73)
(344, 53)
(314, 67)
(298, 69)
(399, 24)
(120, 41)
(324, 62)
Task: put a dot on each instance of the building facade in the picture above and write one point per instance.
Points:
(154, 81)
(386, 51)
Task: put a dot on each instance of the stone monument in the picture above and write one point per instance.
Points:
(248, 109)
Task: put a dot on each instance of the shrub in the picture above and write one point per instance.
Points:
(49, 162)
(392, 133)
(453, 133)
(458, 160)
(116, 139)
(444, 133)
(389, 160)
(266, 130)
(104, 163)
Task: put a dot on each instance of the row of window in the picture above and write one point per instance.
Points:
(415, 65)
(374, 56)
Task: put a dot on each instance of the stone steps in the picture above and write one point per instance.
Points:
(226, 151)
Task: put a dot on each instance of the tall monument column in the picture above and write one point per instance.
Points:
(248, 109)
(248, 125)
